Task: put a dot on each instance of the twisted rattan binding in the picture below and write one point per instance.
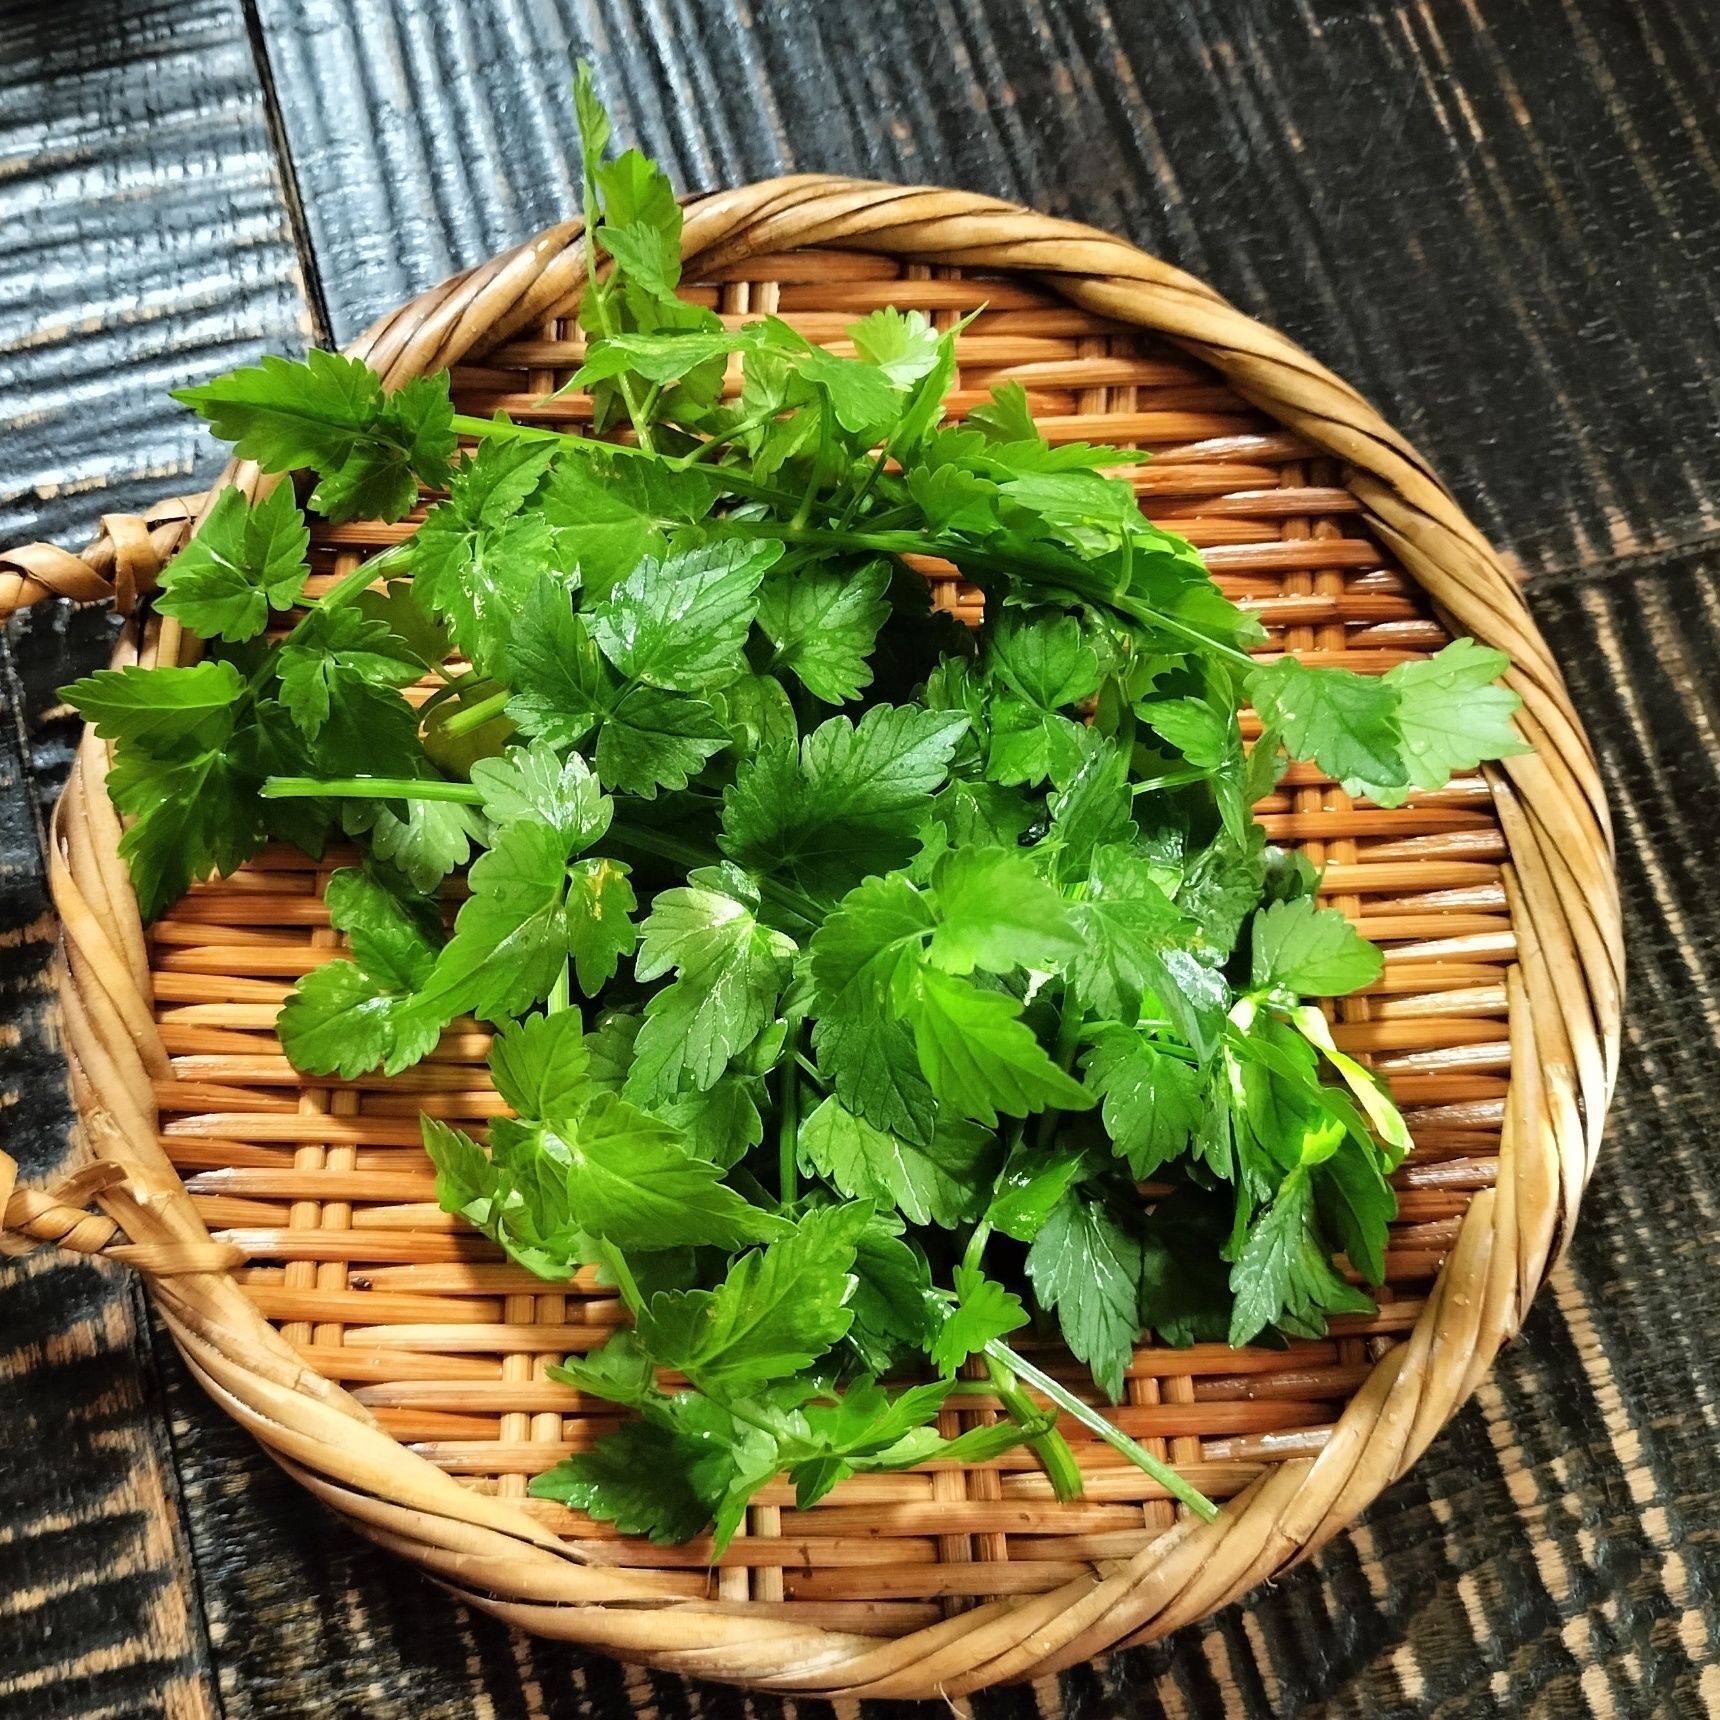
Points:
(263, 1341)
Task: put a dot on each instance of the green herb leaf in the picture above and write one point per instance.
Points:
(639, 1477)
(476, 556)
(510, 940)
(1452, 715)
(983, 1310)
(330, 413)
(778, 1310)
(902, 344)
(995, 912)
(1088, 1267)
(343, 666)
(1346, 723)
(823, 623)
(679, 623)
(631, 1181)
(729, 970)
(191, 817)
(943, 1182)
(979, 1057)
(346, 1017)
(1316, 951)
(1285, 1271)
(541, 1066)
(1152, 1099)
(600, 929)
(871, 1063)
(247, 560)
(563, 690)
(166, 712)
(848, 801)
(537, 782)
(607, 513)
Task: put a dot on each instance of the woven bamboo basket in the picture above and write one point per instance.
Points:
(394, 1363)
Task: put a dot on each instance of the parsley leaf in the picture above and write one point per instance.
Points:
(1152, 1098)
(778, 1310)
(639, 1477)
(537, 782)
(729, 970)
(476, 556)
(343, 666)
(942, 1182)
(631, 1181)
(160, 710)
(541, 1065)
(1453, 714)
(1284, 1270)
(823, 623)
(1345, 722)
(680, 622)
(1316, 951)
(848, 800)
(982, 1310)
(330, 413)
(349, 1016)
(608, 513)
(979, 1056)
(600, 929)
(247, 560)
(870, 1061)
(191, 816)
(1088, 1267)
(995, 912)
(564, 689)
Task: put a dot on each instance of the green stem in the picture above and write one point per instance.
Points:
(622, 1273)
(1050, 1447)
(804, 512)
(482, 429)
(370, 788)
(485, 428)
(1171, 779)
(597, 296)
(1069, 1019)
(1095, 1423)
(858, 500)
(561, 993)
(1066, 572)
(716, 444)
(788, 1122)
(976, 1245)
(471, 717)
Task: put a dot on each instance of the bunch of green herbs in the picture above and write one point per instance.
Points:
(850, 970)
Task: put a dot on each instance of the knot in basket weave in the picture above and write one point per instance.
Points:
(395, 1364)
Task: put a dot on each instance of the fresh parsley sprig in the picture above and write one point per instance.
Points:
(850, 973)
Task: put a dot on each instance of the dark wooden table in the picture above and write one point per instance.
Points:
(1501, 220)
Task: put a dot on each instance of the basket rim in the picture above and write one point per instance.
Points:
(1564, 1006)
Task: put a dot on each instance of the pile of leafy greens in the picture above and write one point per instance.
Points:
(850, 970)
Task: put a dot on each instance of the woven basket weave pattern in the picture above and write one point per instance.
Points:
(1495, 1020)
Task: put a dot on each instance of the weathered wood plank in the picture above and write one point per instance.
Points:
(143, 240)
(1500, 222)
(1432, 199)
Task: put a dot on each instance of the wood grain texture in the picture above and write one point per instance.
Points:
(1431, 198)
(143, 239)
(1499, 220)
